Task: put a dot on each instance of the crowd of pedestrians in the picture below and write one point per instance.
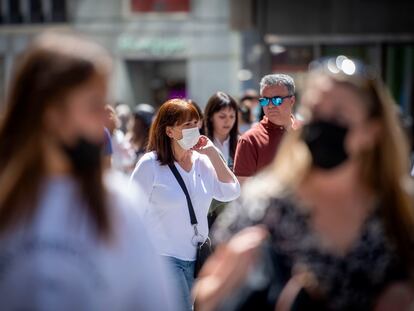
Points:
(231, 204)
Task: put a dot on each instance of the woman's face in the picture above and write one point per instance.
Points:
(82, 114)
(176, 133)
(223, 121)
(331, 101)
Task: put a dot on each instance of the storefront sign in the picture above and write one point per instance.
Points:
(152, 46)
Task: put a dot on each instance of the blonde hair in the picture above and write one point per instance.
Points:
(53, 66)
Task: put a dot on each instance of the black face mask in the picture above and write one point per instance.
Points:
(325, 141)
(84, 155)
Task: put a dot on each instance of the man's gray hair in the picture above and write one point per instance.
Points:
(278, 79)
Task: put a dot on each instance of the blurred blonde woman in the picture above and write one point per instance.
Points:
(70, 236)
(334, 209)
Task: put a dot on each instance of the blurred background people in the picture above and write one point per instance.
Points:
(175, 141)
(124, 114)
(139, 130)
(72, 238)
(123, 156)
(257, 147)
(107, 150)
(111, 120)
(251, 100)
(335, 204)
(245, 118)
(221, 124)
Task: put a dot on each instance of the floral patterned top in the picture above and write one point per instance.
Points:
(349, 282)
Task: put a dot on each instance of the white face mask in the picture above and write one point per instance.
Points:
(190, 138)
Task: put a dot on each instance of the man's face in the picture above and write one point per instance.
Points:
(279, 115)
(111, 119)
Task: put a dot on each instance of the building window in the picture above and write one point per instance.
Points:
(159, 6)
(290, 58)
(25, 12)
(59, 11)
(2, 83)
(36, 11)
(156, 81)
(15, 12)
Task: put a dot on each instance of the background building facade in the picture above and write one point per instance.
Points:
(193, 48)
(286, 35)
(161, 48)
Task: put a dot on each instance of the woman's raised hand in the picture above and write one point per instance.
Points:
(204, 145)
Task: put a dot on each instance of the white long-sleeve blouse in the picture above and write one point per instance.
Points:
(166, 216)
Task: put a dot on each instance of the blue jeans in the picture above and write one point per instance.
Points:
(183, 273)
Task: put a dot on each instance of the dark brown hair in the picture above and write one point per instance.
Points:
(172, 113)
(52, 66)
(217, 102)
(200, 113)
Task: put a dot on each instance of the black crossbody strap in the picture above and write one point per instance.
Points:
(180, 180)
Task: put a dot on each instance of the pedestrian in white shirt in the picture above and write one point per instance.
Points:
(221, 124)
(69, 239)
(175, 140)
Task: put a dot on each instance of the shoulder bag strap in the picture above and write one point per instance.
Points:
(180, 180)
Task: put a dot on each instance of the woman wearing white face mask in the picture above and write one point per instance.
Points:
(176, 142)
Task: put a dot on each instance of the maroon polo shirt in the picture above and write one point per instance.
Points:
(257, 148)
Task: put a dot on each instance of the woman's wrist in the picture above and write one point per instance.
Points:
(215, 155)
(211, 152)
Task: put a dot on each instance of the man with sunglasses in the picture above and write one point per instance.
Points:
(257, 147)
